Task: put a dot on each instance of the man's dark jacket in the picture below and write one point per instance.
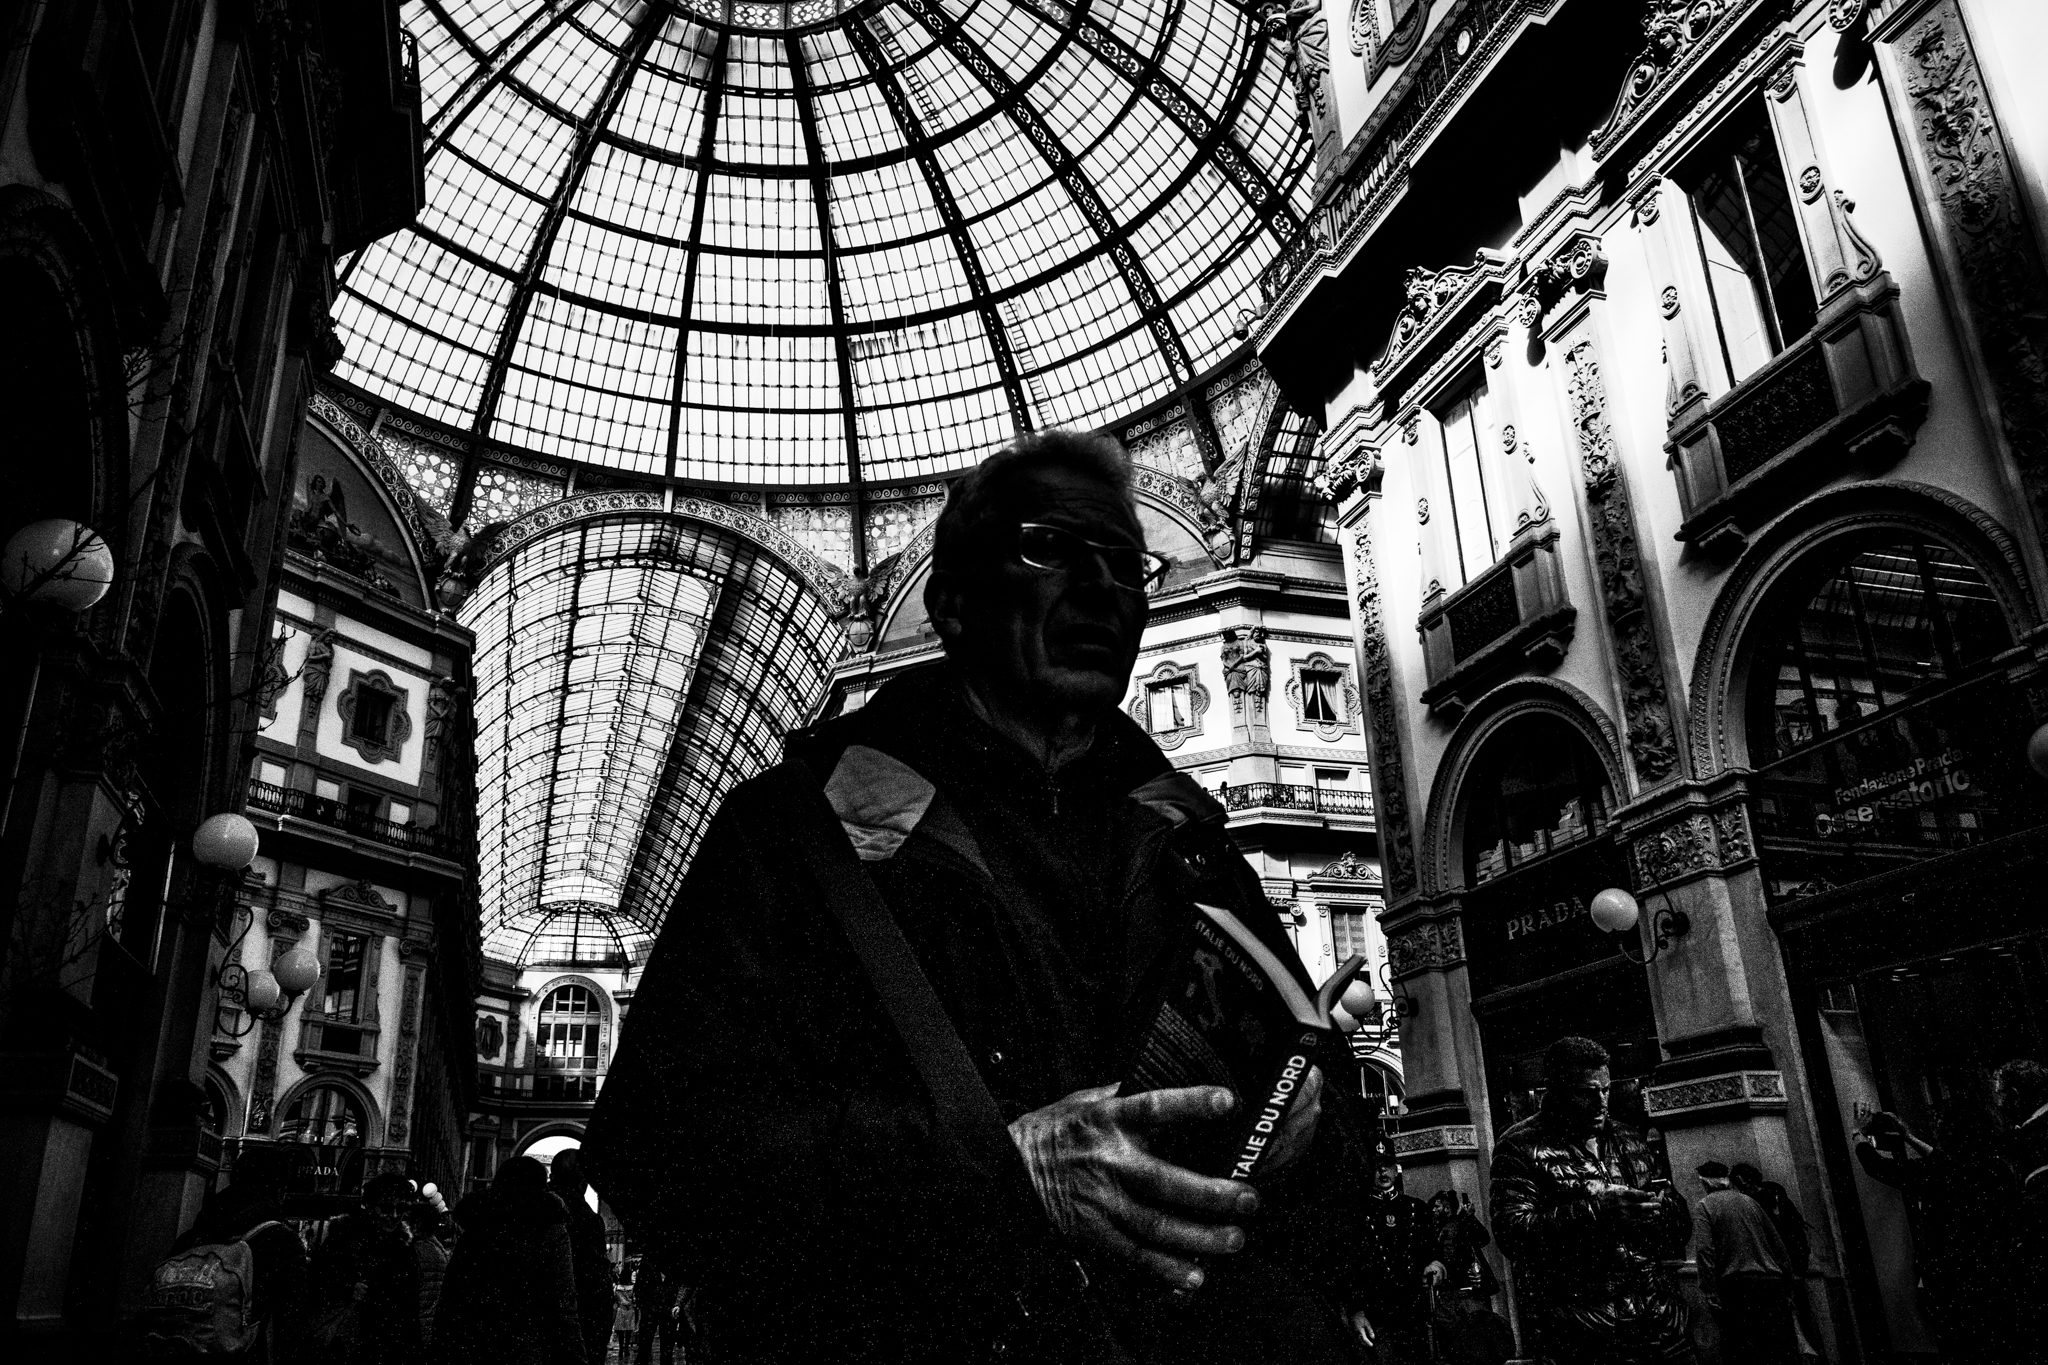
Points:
(764, 1131)
(1594, 1276)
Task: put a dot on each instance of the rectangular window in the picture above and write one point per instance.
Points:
(1348, 933)
(1322, 697)
(365, 803)
(1474, 544)
(270, 774)
(372, 719)
(1170, 707)
(342, 984)
(326, 790)
(1747, 231)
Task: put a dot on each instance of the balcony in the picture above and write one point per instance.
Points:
(560, 1089)
(1844, 398)
(319, 810)
(1348, 806)
(1516, 615)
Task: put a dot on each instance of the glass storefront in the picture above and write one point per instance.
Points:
(1903, 843)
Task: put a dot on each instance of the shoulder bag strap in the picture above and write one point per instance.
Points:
(964, 1105)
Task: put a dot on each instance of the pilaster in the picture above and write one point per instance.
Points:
(1563, 305)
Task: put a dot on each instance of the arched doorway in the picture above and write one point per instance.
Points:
(1537, 840)
(1901, 841)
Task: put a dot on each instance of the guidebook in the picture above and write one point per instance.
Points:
(1235, 1015)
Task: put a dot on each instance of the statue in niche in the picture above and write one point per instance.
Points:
(442, 697)
(1247, 670)
(318, 666)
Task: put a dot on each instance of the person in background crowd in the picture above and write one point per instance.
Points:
(1397, 1266)
(1791, 1228)
(587, 1251)
(1743, 1272)
(432, 1229)
(625, 1313)
(510, 1296)
(367, 1261)
(1578, 1208)
(2022, 1090)
(654, 1297)
(1469, 1332)
(1961, 1193)
(254, 1196)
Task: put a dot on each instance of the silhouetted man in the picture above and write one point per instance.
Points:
(1577, 1207)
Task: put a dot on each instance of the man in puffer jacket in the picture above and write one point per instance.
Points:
(1577, 1207)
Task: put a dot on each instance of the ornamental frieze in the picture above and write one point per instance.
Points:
(1428, 945)
(1698, 842)
(1646, 703)
(1746, 1089)
(1390, 781)
(1969, 173)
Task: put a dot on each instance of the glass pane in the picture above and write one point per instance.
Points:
(1471, 518)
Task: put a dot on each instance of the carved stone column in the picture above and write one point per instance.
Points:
(1659, 213)
(413, 953)
(1836, 253)
(1733, 1083)
(1983, 240)
(1564, 299)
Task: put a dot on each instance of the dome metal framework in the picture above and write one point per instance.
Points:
(629, 672)
(821, 243)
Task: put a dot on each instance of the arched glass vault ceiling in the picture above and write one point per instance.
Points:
(818, 242)
(629, 673)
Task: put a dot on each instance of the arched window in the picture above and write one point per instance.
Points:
(567, 1043)
(327, 1115)
(1538, 789)
(1866, 635)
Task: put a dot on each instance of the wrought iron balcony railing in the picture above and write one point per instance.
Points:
(1289, 796)
(336, 815)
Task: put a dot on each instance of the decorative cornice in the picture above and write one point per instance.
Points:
(1678, 35)
(1349, 867)
(1436, 300)
(1777, 43)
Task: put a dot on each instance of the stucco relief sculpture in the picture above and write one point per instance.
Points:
(1247, 670)
(318, 667)
(1646, 708)
(1390, 783)
(1965, 157)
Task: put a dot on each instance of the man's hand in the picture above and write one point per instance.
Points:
(1433, 1274)
(1103, 1189)
(1626, 1200)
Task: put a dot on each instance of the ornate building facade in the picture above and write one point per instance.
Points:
(362, 787)
(176, 181)
(1685, 435)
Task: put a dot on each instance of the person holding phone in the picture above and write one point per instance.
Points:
(1578, 1207)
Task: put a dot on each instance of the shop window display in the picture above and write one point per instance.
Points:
(1878, 731)
(1545, 792)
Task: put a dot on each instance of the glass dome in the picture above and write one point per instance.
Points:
(821, 243)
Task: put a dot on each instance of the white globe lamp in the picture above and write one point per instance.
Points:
(1345, 1021)
(1615, 910)
(57, 563)
(227, 842)
(1359, 998)
(296, 970)
(262, 992)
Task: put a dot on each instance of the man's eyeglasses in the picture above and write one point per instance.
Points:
(1061, 551)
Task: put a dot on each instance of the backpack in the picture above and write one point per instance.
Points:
(201, 1301)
